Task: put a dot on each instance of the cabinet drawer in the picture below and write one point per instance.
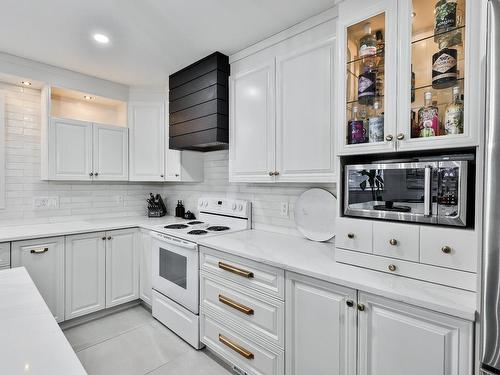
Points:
(245, 272)
(396, 240)
(438, 275)
(240, 351)
(5, 255)
(354, 234)
(453, 248)
(262, 316)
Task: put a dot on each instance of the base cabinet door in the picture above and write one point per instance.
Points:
(320, 327)
(145, 286)
(44, 261)
(122, 267)
(395, 338)
(85, 274)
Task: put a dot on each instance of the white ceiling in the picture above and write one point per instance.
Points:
(150, 39)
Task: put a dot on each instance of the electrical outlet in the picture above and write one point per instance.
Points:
(284, 209)
(45, 203)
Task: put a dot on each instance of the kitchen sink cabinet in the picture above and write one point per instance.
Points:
(85, 274)
(122, 267)
(320, 327)
(395, 338)
(282, 109)
(44, 261)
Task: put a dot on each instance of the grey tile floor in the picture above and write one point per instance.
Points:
(132, 342)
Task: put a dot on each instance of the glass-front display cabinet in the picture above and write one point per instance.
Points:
(426, 99)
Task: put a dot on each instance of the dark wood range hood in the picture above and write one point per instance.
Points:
(198, 105)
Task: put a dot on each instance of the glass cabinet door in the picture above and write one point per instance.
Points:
(434, 78)
(368, 39)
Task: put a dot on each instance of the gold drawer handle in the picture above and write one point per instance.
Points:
(40, 250)
(392, 267)
(235, 305)
(393, 241)
(238, 349)
(446, 249)
(235, 270)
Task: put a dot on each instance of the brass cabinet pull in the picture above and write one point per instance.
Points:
(350, 235)
(401, 136)
(389, 138)
(392, 267)
(235, 270)
(238, 349)
(393, 241)
(446, 249)
(361, 307)
(235, 305)
(40, 250)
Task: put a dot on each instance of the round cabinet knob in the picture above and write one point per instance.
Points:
(161, 176)
(401, 136)
(361, 307)
(271, 174)
(96, 174)
(349, 303)
(389, 137)
(392, 267)
(276, 173)
(350, 236)
(109, 237)
(91, 174)
(446, 249)
(393, 241)
(176, 175)
(104, 238)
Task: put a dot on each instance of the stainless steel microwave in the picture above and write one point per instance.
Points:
(432, 190)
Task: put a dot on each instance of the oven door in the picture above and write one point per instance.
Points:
(392, 191)
(175, 270)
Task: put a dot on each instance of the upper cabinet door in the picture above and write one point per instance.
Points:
(70, 150)
(110, 153)
(367, 64)
(440, 73)
(395, 339)
(147, 141)
(304, 107)
(252, 119)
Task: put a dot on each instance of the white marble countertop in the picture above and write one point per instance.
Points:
(31, 231)
(318, 260)
(31, 340)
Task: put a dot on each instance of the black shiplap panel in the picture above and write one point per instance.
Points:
(200, 110)
(203, 140)
(199, 124)
(214, 77)
(215, 61)
(202, 96)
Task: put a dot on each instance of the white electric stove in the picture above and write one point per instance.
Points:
(175, 263)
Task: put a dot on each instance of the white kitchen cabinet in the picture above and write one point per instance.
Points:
(184, 166)
(145, 284)
(320, 327)
(4, 255)
(70, 150)
(122, 267)
(395, 338)
(252, 119)
(281, 126)
(110, 153)
(147, 122)
(85, 274)
(44, 261)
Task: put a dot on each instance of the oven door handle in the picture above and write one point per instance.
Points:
(175, 242)
(428, 191)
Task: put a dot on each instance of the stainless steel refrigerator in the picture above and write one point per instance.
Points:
(490, 313)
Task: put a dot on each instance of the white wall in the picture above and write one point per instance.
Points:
(266, 198)
(77, 200)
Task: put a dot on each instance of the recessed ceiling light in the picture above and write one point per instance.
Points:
(26, 83)
(101, 38)
(88, 97)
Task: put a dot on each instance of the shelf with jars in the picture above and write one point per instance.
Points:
(417, 62)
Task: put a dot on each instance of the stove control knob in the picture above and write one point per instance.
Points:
(240, 207)
(234, 206)
(206, 203)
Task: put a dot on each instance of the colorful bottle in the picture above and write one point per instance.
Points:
(368, 46)
(367, 86)
(447, 19)
(454, 114)
(412, 84)
(444, 68)
(356, 132)
(376, 125)
(428, 118)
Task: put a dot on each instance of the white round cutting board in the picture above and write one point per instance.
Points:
(315, 214)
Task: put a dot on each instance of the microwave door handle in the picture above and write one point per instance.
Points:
(428, 191)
